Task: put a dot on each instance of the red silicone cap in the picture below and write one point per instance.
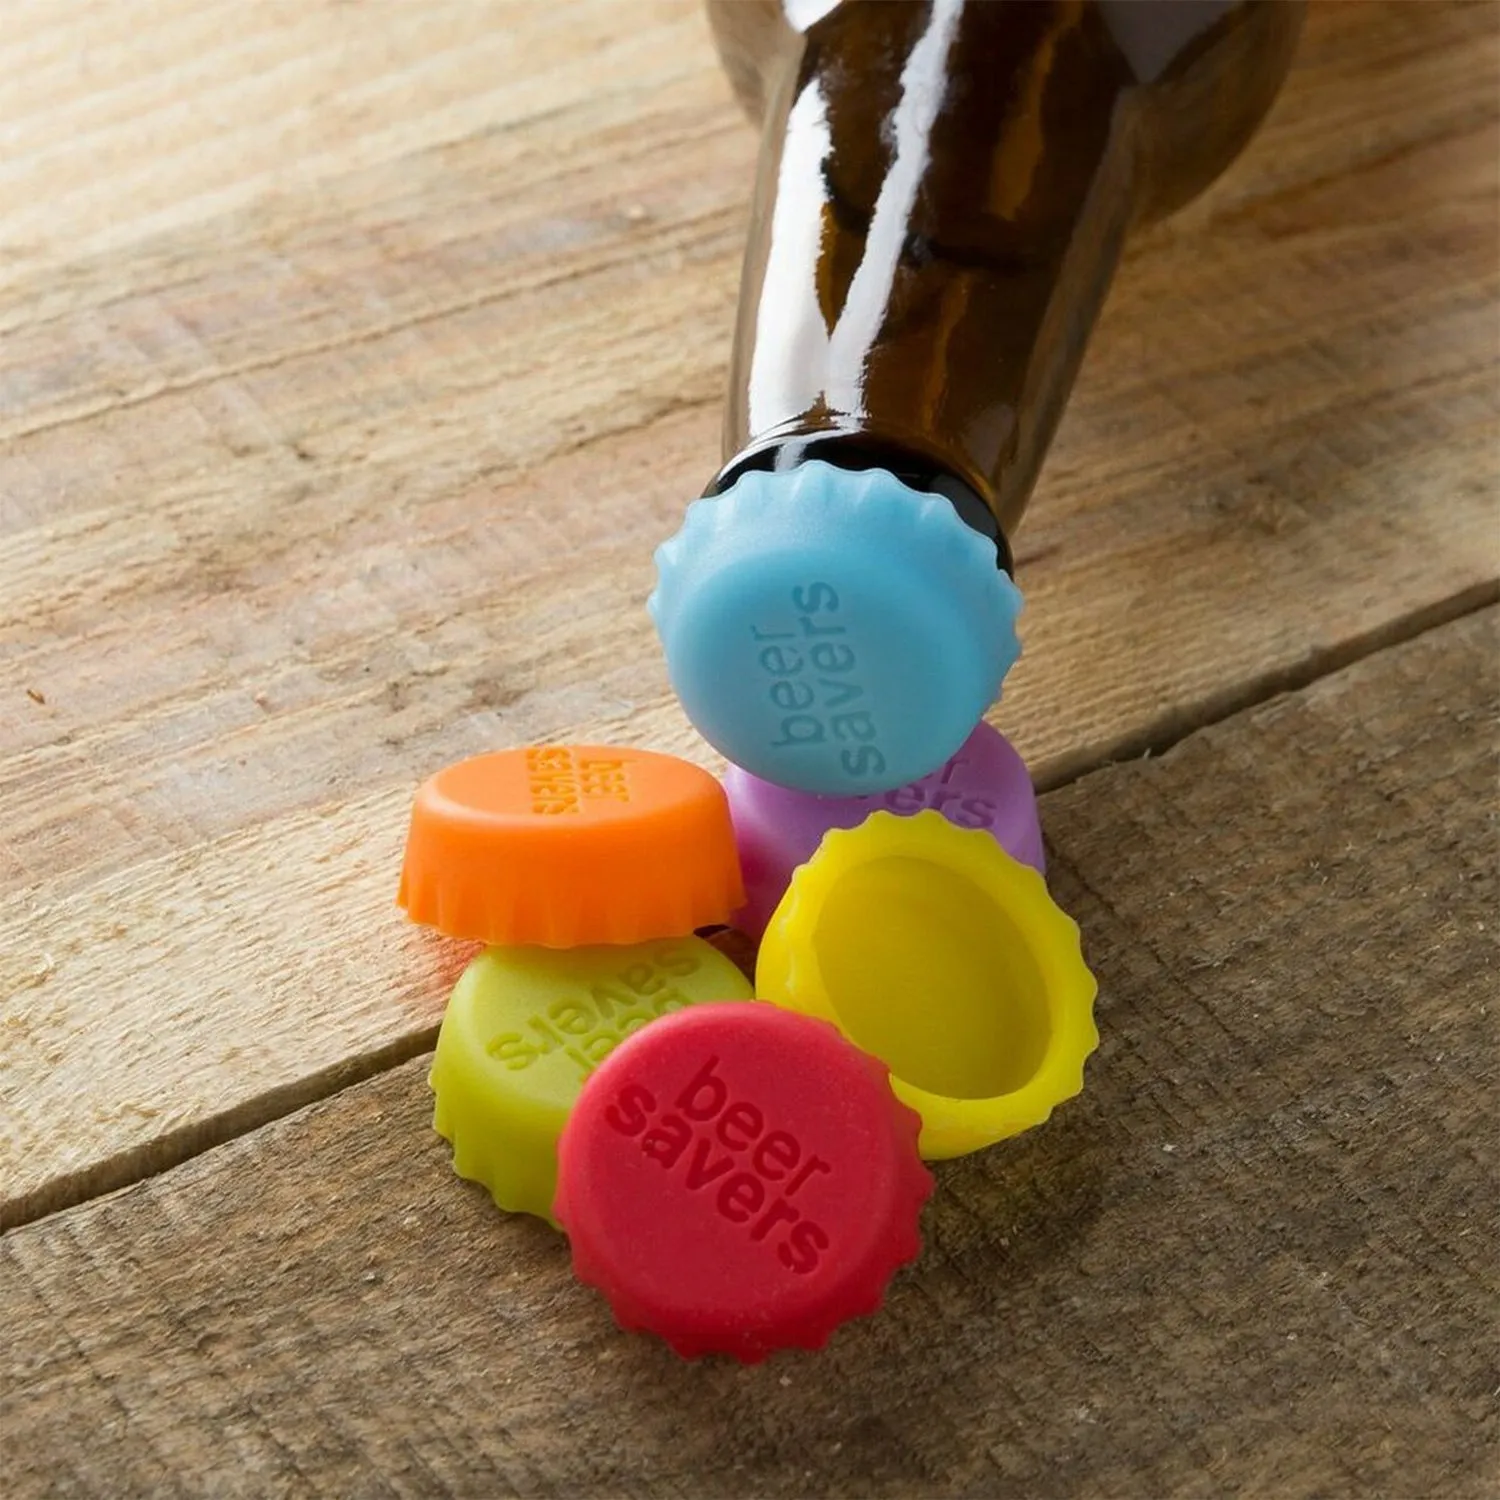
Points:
(740, 1179)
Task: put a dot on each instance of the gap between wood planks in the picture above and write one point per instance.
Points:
(175, 1147)
(1172, 727)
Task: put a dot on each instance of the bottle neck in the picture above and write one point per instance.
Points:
(778, 452)
(944, 193)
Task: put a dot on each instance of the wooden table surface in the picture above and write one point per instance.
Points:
(353, 358)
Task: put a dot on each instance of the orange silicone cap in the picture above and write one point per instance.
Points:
(568, 845)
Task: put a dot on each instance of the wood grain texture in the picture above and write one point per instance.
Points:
(1256, 1257)
(352, 360)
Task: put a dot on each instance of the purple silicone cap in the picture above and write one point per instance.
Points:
(984, 784)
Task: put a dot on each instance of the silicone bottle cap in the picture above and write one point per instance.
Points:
(738, 1180)
(566, 845)
(526, 1026)
(833, 630)
(932, 948)
(984, 785)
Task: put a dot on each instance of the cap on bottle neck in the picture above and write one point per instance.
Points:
(833, 630)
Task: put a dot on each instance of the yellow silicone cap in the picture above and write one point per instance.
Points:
(523, 1030)
(933, 949)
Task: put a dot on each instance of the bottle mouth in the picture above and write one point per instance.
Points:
(833, 630)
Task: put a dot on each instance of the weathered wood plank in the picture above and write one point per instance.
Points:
(1256, 1257)
(351, 363)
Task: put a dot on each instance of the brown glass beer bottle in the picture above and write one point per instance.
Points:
(944, 190)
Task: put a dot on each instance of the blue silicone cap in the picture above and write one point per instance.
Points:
(833, 630)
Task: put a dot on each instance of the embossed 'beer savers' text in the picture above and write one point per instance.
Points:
(810, 671)
(558, 780)
(587, 1027)
(747, 1169)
